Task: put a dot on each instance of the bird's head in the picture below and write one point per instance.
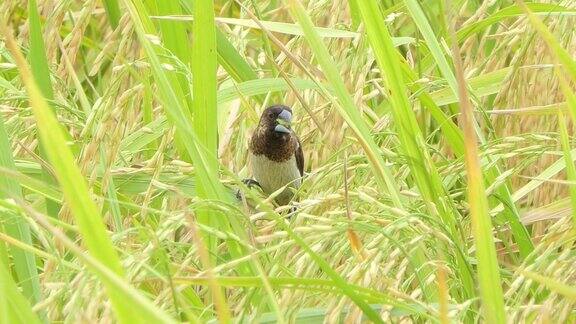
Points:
(276, 121)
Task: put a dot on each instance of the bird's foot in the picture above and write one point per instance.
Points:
(249, 183)
(291, 212)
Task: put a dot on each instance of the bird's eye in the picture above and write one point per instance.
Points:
(270, 115)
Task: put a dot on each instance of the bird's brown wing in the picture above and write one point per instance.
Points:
(300, 158)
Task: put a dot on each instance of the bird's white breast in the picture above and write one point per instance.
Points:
(273, 175)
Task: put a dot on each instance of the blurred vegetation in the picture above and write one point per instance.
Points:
(438, 139)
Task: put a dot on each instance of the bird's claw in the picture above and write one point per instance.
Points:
(291, 212)
(249, 183)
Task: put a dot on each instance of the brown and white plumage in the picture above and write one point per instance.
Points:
(276, 154)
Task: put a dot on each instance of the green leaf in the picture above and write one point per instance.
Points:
(113, 12)
(286, 28)
(41, 73)
(203, 157)
(205, 123)
(487, 84)
(346, 106)
(14, 308)
(76, 194)
(491, 295)
(547, 9)
(552, 284)
(350, 114)
(413, 146)
(15, 226)
(38, 60)
(232, 61)
(556, 49)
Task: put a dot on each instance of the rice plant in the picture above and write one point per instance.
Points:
(439, 176)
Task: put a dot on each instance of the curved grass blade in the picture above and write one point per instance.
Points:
(520, 233)
(552, 284)
(286, 28)
(556, 49)
(112, 11)
(140, 309)
(14, 307)
(491, 294)
(75, 191)
(15, 226)
(413, 145)
(513, 11)
(482, 85)
(41, 72)
(346, 106)
(323, 285)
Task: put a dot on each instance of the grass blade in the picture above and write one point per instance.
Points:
(565, 139)
(139, 308)
(519, 232)
(425, 173)
(346, 105)
(423, 169)
(41, 73)
(570, 169)
(204, 67)
(425, 29)
(14, 307)
(231, 61)
(74, 188)
(286, 28)
(38, 61)
(555, 48)
(355, 13)
(175, 39)
(203, 158)
(491, 294)
(205, 123)
(547, 9)
(554, 285)
(112, 11)
(16, 227)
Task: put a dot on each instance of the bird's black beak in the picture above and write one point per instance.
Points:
(284, 120)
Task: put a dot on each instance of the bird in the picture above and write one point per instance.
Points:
(276, 154)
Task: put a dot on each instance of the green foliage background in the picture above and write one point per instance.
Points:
(438, 139)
